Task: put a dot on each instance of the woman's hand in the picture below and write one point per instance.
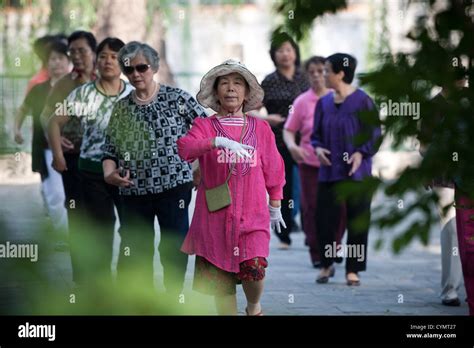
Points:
(59, 163)
(275, 216)
(298, 153)
(66, 144)
(275, 119)
(114, 178)
(238, 148)
(355, 160)
(321, 153)
(18, 137)
(196, 177)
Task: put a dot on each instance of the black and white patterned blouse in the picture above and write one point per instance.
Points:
(280, 94)
(142, 139)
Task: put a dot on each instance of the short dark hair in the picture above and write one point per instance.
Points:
(40, 47)
(278, 39)
(343, 62)
(80, 34)
(61, 37)
(58, 47)
(314, 60)
(115, 44)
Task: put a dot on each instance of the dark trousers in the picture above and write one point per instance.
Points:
(72, 182)
(309, 181)
(137, 233)
(328, 217)
(94, 245)
(287, 203)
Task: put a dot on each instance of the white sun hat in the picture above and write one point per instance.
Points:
(207, 96)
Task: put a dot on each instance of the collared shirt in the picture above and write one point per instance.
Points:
(143, 139)
(337, 129)
(280, 94)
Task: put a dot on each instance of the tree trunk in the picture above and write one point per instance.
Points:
(127, 21)
(156, 39)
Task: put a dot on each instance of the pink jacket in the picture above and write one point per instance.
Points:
(240, 231)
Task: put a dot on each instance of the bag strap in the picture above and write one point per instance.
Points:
(233, 164)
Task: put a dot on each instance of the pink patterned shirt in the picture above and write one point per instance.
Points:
(240, 231)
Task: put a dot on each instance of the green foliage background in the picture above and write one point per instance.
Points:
(444, 39)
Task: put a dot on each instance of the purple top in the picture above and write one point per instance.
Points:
(335, 128)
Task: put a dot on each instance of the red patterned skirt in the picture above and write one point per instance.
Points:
(211, 280)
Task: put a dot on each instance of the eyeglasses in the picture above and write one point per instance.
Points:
(141, 68)
(80, 51)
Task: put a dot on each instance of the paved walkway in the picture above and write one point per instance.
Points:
(406, 284)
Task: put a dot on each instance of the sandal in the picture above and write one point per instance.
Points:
(325, 279)
(259, 314)
(353, 282)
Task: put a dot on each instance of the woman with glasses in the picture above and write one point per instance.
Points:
(81, 49)
(93, 103)
(300, 121)
(141, 158)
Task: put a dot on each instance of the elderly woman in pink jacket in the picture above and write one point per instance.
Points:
(240, 165)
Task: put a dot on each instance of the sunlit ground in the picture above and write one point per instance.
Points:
(45, 286)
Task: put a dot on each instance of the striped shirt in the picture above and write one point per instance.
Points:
(231, 120)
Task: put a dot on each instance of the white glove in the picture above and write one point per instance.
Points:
(237, 148)
(276, 219)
